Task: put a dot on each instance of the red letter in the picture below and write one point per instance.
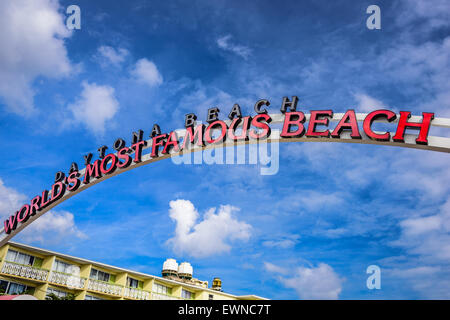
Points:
(138, 150)
(260, 125)
(73, 178)
(223, 132)
(156, 144)
(104, 164)
(371, 117)
(289, 122)
(245, 127)
(423, 126)
(313, 121)
(189, 136)
(61, 188)
(172, 142)
(92, 170)
(23, 214)
(11, 223)
(44, 200)
(123, 155)
(348, 121)
(34, 207)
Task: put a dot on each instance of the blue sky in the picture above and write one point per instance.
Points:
(311, 230)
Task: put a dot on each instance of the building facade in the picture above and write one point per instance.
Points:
(39, 272)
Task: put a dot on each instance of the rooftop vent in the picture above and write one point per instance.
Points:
(170, 268)
(217, 284)
(185, 270)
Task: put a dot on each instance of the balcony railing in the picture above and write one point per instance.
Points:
(24, 271)
(161, 296)
(135, 293)
(104, 287)
(65, 279)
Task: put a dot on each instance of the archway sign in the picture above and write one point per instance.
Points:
(296, 126)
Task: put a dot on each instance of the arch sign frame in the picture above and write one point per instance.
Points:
(223, 133)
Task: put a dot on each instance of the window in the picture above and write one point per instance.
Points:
(187, 294)
(3, 286)
(20, 258)
(60, 294)
(211, 297)
(132, 283)
(100, 275)
(159, 288)
(16, 288)
(61, 266)
(8, 287)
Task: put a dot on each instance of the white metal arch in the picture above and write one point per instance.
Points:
(439, 144)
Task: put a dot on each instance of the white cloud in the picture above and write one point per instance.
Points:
(430, 282)
(428, 237)
(414, 272)
(202, 97)
(314, 201)
(145, 71)
(435, 16)
(275, 269)
(283, 242)
(10, 201)
(321, 282)
(414, 227)
(32, 44)
(411, 64)
(367, 103)
(96, 105)
(210, 236)
(225, 44)
(110, 56)
(52, 227)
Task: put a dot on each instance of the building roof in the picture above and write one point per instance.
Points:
(193, 287)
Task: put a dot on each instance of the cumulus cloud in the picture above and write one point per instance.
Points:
(10, 201)
(52, 227)
(96, 105)
(107, 56)
(146, 72)
(225, 44)
(32, 41)
(321, 282)
(211, 235)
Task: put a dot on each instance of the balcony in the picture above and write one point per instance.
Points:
(24, 271)
(134, 293)
(68, 280)
(161, 296)
(104, 287)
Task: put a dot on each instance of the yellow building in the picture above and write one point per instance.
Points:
(41, 272)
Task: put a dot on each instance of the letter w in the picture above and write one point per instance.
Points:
(11, 224)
